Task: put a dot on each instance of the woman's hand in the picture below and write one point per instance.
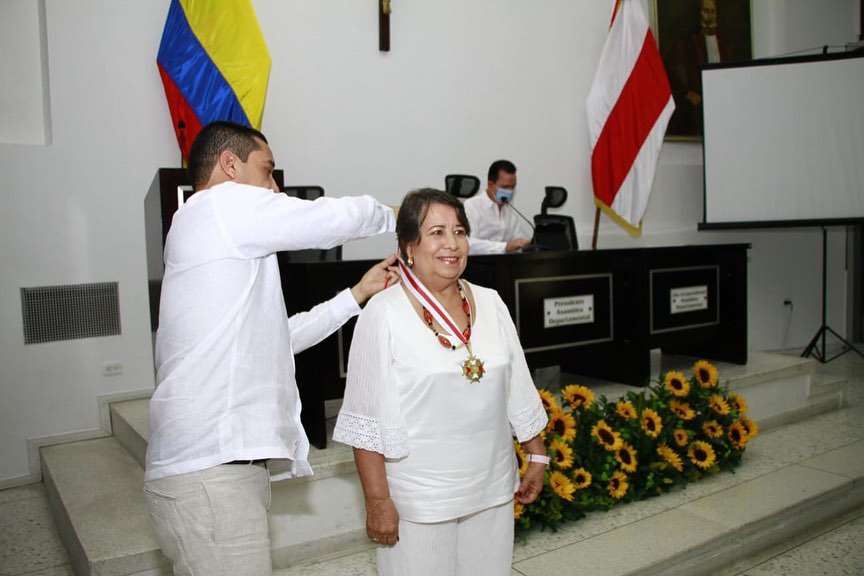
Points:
(531, 484)
(382, 518)
(382, 522)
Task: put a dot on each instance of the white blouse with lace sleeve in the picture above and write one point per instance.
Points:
(370, 417)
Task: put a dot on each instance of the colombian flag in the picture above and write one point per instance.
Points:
(214, 66)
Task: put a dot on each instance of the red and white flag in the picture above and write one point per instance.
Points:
(629, 107)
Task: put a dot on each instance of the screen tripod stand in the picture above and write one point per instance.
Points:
(816, 347)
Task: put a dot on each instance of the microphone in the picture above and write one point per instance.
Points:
(507, 202)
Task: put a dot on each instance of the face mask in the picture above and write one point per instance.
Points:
(503, 195)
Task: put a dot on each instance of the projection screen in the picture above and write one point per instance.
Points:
(783, 142)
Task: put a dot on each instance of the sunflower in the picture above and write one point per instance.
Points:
(682, 409)
(706, 374)
(562, 486)
(712, 429)
(682, 438)
(626, 456)
(626, 410)
(578, 396)
(581, 478)
(738, 435)
(701, 454)
(563, 458)
(677, 384)
(562, 424)
(618, 485)
(606, 437)
(738, 402)
(518, 509)
(548, 399)
(521, 459)
(670, 456)
(651, 423)
(751, 426)
(718, 404)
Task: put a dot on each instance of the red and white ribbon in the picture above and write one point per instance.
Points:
(422, 294)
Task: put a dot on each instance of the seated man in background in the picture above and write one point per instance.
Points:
(494, 226)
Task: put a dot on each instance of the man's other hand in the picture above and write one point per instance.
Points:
(380, 276)
(517, 244)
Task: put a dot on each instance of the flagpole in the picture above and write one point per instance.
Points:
(596, 226)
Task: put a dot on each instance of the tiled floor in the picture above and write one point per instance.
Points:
(28, 539)
(29, 544)
(837, 552)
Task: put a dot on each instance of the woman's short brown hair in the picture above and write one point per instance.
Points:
(413, 211)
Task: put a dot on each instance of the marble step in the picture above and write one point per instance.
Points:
(94, 490)
(796, 482)
(782, 389)
(779, 388)
(711, 532)
(131, 428)
(95, 494)
(95, 483)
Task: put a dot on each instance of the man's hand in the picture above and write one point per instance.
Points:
(517, 244)
(380, 276)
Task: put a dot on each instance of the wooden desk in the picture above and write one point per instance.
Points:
(594, 313)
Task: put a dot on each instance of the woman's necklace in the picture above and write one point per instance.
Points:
(472, 367)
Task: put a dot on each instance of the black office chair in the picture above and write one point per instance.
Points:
(311, 255)
(554, 231)
(461, 185)
(304, 192)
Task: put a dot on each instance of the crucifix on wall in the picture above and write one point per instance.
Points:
(383, 25)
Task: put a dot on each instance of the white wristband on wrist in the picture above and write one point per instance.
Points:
(542, 459)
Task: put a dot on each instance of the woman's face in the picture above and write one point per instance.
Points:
(441, 252)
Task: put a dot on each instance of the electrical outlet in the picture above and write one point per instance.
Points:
(112, 368)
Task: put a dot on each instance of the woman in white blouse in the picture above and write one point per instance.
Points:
(437, 387)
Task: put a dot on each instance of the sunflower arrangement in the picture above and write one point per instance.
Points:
(603, 453)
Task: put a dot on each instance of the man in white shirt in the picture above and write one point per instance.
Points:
(495, 227)
(225, 415)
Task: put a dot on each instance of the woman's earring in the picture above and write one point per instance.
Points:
(410, 261)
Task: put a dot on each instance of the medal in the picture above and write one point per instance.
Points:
(472, 368)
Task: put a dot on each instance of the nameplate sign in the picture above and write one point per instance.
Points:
(568, 311)
(688, 299)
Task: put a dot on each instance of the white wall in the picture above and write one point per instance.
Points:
(24, 102)
(464, 84)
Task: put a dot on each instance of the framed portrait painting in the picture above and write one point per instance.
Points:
(691, 33)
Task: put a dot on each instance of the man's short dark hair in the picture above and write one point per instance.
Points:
(413, 210)
(500, 166)
(214, 139)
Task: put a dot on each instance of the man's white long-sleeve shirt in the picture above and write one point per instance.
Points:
(225, 345)
(492, 227)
